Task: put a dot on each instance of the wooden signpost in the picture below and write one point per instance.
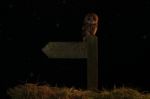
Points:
(87, 49)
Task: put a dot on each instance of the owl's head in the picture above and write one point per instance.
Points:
(91, 18)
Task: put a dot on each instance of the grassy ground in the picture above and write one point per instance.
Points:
(34, 91)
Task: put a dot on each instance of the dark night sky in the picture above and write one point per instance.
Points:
(124, 35)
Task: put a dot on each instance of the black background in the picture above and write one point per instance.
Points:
(26, 26)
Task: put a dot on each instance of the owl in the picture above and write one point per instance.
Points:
(90, 25)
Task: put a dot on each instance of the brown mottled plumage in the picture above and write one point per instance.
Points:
(90, 25)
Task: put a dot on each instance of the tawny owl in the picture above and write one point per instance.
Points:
(90, 25)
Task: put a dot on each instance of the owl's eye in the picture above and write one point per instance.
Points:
(88, 18)
(94, 18)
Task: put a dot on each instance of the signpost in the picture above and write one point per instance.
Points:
(87, 49)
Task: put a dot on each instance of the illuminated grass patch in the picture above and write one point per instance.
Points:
(34, 91)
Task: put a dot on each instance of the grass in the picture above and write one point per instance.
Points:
(34, 91)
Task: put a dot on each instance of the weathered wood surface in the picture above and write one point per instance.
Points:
(66, 50)
(92, 62)
(87, 49)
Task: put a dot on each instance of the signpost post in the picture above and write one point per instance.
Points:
(87, 49)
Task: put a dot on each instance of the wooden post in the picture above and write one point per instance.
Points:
(92, 62)
(76, 50)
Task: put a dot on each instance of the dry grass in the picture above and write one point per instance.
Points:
(34, 91)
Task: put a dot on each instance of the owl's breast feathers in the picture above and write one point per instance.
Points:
(89, 29)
